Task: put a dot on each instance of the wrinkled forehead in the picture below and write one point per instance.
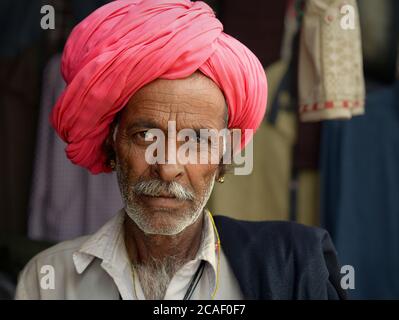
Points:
(195, 101)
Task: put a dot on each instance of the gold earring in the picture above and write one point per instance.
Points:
(112, 164)
(221, 179)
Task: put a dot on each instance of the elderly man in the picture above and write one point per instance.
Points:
(134, 66)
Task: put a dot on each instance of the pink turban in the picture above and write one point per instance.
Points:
(125, 45)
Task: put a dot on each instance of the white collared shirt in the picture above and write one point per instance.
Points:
(98, 267)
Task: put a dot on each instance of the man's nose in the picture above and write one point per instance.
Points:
(170, 171)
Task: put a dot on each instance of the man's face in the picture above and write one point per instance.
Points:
(166, 198)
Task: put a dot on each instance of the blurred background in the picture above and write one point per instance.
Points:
(326, 154)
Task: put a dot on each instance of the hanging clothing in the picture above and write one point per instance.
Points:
(360, 188)
(66, 201)
(330, 78)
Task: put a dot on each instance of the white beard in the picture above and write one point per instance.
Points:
(156, 275)
(143, 221)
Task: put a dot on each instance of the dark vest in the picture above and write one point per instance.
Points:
(280, 260)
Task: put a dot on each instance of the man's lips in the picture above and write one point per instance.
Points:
(162, 201)
(165, 195)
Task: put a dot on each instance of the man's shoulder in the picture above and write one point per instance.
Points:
(283, 231)
(59, 254)
(276, 239)
(55, 262)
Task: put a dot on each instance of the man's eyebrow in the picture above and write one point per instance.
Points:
(137, 124)
(199, 133)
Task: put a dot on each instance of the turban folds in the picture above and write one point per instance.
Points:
(125, 45)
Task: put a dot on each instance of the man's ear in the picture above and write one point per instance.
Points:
(225, 164)
(109, 145)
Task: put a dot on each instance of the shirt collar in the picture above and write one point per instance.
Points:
(108, 245)
(209, 249)
(208, 246)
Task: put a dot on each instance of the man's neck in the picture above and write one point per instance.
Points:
(141, 246)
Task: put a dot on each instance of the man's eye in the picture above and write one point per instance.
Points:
(144, 135)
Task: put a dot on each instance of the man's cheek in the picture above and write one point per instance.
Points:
(136, 167)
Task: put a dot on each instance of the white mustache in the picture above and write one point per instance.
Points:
(156, 188)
